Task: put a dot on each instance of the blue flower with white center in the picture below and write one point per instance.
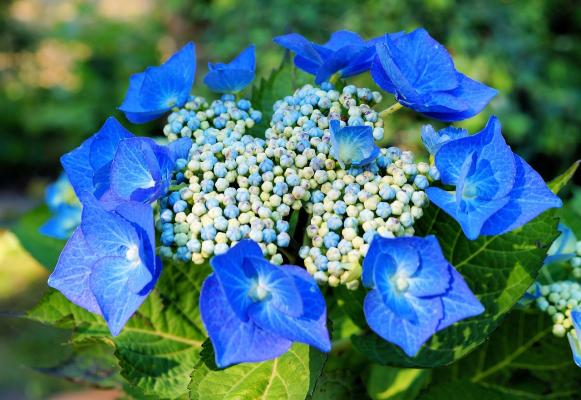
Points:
(234, 76)
(345, 52)
(433, 140)
(254, 310)
(157, 90)
(352, 145)
(65, 208)
(421, 74)
(496, 191)
(414, 292)
(115, 166)
(109, 266)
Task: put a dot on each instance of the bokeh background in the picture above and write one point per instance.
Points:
(65, 64)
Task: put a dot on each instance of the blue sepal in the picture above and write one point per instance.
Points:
(352, 145)
(234, 76)
(158, 89)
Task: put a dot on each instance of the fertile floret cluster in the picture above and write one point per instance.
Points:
(558, 300)
(234, 186)
(199, 120)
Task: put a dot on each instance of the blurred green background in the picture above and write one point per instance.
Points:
(64, 68)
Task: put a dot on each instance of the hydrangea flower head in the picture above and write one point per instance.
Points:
(345, 52)
(574, 336)
(421, 74)
(254, 310)
(65, 208)
(234, 76)
(496, 191)
(158, 89)
(352, 145)
(433, 140)
(109, 266)
(414, 292)
(114, 166)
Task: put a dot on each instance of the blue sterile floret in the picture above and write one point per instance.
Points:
(433, 139)
(563, 248)
(234, 76)
(421, 74)
(64, 207)
(109, 266)
(352, 145)
(345, 52)
(495, 191)
(254, 310)
(414, 293)
(157, 90)
(115, 166)
(574, 336)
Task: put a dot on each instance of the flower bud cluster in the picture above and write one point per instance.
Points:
(347, 207)
(199, 120)
(558, 300)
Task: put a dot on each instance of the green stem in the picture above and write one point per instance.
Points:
(334, 78)
(391, 109)
(340, 346)
(175, 188)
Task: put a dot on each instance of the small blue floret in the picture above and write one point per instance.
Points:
(352, 145)
(495, 191)
(421, 74)
(65, 208)
(262, 306)
(414, 292)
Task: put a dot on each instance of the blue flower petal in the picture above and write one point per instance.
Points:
(352, 145)
(113, 281)
(232, 77)
(303, 49)
(575, 338)
(429, 279)
(234, 340)
(180, 148)
(158, 89)
(420, 73)
(433, 140)
(72, 272)
(408, 336)
(62, 224)
(338, 61)
(310, 293)
(529, 197)
(283, 294)
(459, 302)
(425, 63)
(309, 328)
(234, 278)
(106, 232)
(136, 173)
(563, 248)
(340, 39)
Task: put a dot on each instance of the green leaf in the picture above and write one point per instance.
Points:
(351, 302)
(522, 357)
(388, 383)
(278, 85)
(160, 344)
(44, 249)
(290, 376)
(498, 269)
(462, 390)
(340, 384)
(561, 181)
(90, 364)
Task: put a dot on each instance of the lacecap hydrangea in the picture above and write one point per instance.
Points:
(314, 200)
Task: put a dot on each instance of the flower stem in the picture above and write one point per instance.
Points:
(175, 188)
(334, 78)
(391, 109)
